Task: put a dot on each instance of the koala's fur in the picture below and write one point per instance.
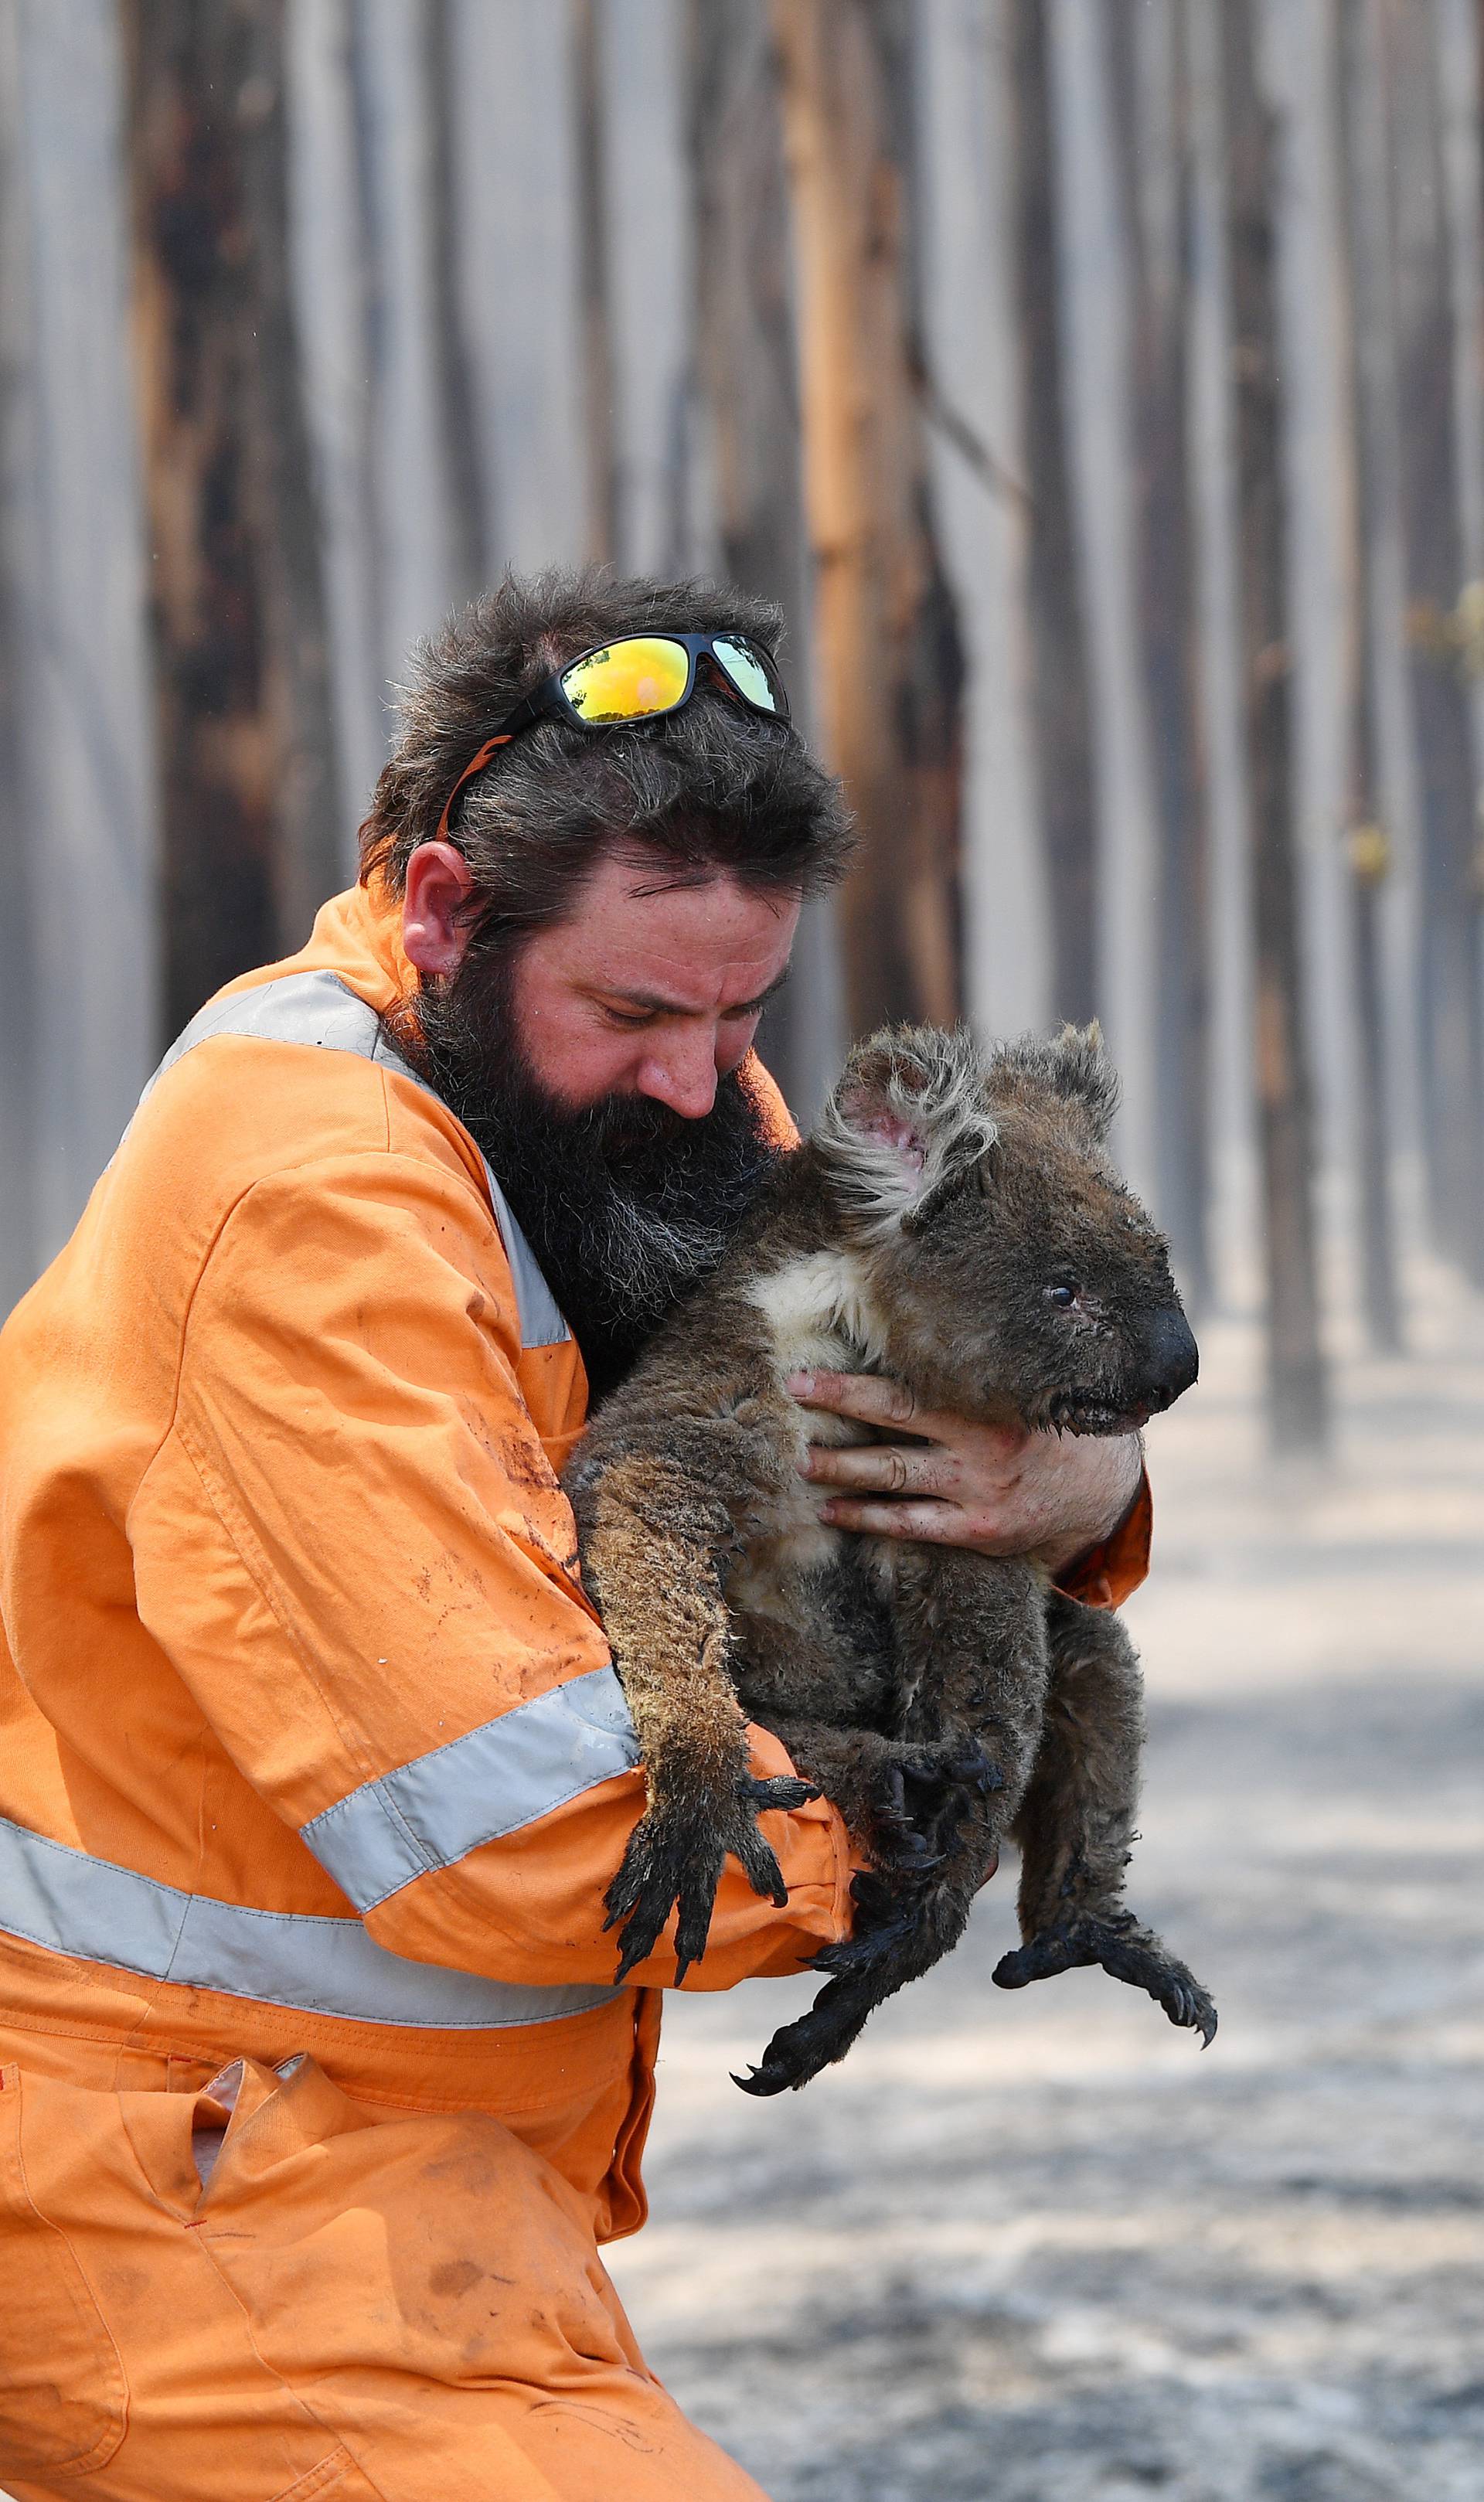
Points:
(928, 1230)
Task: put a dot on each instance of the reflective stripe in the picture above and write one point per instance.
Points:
(75, 1905)
(317, 1009)
(432, 1812)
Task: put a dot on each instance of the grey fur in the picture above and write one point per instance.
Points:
(943, 1700)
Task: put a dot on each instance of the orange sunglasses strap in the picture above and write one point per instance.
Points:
(476, 764)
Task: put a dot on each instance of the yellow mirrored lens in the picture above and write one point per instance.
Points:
(645, 674)
(746, 672)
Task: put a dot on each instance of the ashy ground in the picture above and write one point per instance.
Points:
(1042, 2248)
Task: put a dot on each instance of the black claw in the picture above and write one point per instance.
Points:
(1116, 1945)
(781, 1790)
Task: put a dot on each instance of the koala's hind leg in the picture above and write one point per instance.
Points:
(973, 1633)
(652, 1531)
(808, 1688)
(1075, 1826)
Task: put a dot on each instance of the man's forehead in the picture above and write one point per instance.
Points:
(696, 943)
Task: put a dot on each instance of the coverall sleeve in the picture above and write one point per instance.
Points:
(410, 1674)
(1109, 1574)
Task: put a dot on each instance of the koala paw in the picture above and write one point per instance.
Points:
(1126, 1950)
(674, 1857)
(922, 1798)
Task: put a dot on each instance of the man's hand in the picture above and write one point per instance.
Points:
(996, 1489)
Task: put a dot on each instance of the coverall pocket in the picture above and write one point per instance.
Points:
(336, 2478)
(63, 2400)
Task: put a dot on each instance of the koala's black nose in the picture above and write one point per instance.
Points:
(1172, 1356)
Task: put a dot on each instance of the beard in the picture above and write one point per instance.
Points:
(626, 1203)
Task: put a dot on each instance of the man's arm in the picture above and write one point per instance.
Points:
(356, 1554)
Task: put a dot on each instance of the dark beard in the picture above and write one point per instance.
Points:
(625, 1204)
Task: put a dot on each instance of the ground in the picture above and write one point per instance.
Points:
(1042, 2248)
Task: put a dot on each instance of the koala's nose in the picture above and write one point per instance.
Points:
(1173, 1357)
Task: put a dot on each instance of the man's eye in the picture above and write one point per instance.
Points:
(632, 1018)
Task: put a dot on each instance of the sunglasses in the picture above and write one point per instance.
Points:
(636, 677)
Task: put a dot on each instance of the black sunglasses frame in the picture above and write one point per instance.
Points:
(550, 699)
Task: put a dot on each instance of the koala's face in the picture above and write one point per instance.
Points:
(1043, 1286)
(1016, 1270)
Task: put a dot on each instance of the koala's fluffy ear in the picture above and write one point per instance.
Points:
(905, 1127)
(1073, 1067)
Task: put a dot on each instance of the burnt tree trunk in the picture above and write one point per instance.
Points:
(1056, 632)
(747, 381)
(888, 659)
(468, 493)
(249, 804)
(1366, 273)
(1297, 1384)
(1150, 86)
(593, 280)
(1449, 975)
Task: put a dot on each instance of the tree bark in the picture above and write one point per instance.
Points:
(467, 496)
(1150, 87)
(85, 889)
(1060, 693)
(889, 656)
(1297, 1384)
(1364, 279)
(747, 377)
(250, 806)
(593, 280)
(1448, 971)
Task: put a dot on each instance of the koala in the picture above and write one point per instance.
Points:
(954, 1222)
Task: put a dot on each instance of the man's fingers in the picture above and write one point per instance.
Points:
(874, 1399)
(937, 1524)
(882, 1468)
(868, 1396)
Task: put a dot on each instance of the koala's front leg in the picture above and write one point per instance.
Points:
(1075, 1827)
(650, 1536)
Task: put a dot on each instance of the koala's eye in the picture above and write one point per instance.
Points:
(1063, 1295)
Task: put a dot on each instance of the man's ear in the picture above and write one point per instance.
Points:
(434, 929)
(903, 1128)
(1073, 1066)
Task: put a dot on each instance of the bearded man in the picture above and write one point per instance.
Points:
(318, 2096)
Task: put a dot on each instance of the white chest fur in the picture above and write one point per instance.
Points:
(820, 1318)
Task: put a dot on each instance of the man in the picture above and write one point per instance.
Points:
(319, 2097)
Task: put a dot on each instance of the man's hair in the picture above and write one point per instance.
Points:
(713, 787)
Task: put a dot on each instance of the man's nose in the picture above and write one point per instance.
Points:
(683, 1075)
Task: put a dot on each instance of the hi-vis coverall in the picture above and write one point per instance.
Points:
(315, 2097)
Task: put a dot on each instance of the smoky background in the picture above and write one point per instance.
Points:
(1100, 386)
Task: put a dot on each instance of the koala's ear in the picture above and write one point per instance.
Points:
(905, 1127)
(1074, 1066)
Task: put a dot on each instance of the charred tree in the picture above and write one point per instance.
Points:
(745, 354)
(1296, 1383)
(889, 658)
(1150, 88)
(596, 311)
(1365, 278)
(1436, 572)
(1057, 632)
(249, 804)
(747, 387)
(467, 491)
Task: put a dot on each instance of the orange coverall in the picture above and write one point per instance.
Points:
(314, 1774)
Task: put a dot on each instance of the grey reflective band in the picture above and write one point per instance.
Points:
(513, 1771)
(75, 1905)
(320, 1010)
